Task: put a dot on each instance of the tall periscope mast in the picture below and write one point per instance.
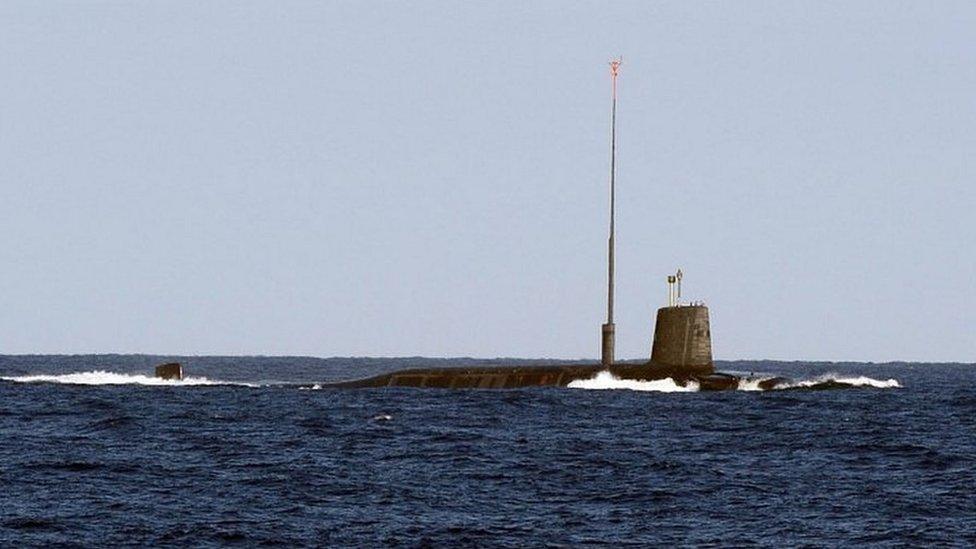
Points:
(608, 328)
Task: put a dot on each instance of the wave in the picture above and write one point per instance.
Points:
(752, 383)
(606, 380)
(101, 377)
(831, 381)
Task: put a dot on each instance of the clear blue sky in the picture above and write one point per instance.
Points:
(379, 178)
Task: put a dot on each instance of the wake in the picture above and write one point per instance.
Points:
(831, 381)
(605, 380)
(101, 377)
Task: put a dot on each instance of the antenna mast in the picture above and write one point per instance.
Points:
(608, 328)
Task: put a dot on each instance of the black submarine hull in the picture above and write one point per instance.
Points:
(557, 375)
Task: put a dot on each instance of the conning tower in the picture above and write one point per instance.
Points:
(682, 334)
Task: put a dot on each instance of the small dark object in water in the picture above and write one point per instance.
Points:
(170, 370)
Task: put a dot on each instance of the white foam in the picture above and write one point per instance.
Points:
(858, 381)
(606, 380)
(101, 377)
(751, 383)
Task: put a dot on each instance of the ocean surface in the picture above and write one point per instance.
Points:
(247, 451)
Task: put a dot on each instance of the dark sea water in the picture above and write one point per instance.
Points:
(90, 463)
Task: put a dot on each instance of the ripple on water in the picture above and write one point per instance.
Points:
(214, 465)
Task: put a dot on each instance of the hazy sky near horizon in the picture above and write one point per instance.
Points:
(394, 178)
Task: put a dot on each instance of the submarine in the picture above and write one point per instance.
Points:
(681, 348)
(681, 351)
